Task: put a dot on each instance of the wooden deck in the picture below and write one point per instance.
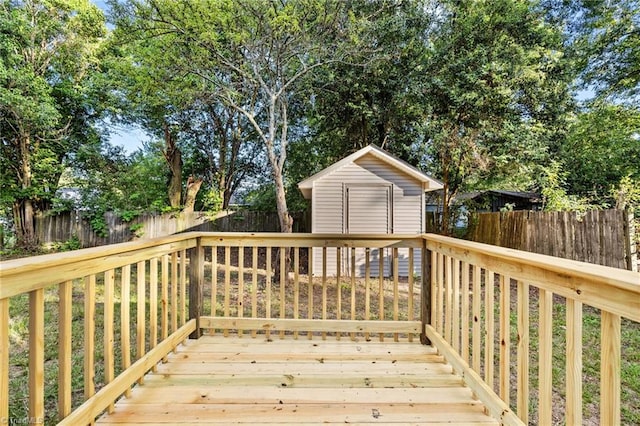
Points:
(259, 381)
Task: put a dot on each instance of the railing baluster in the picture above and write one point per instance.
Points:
(141, 280)
(36, 355)
(455, 319)
(174, 291)
(109, 362)
(65, 300)
(310, 287)
(433, 285)
(183, 287)
(610, 369)
(89, 335)
(381, 287)
(4, 358)
(283, 281)
(338, 287)
(545, 357)
(440, 295)
(164, 297)
(396, 295)
(505, 337)
(574, 363)
(476, 312)
(254, 286)
(489, 351)
(214, 283)
(367, 287)
(464, 332)
(227, 285)
(324, 288)
(410, 294)
(353, 288)
(296, 287)
(268, 282)
(448, 295)
(125, 319)
(523, 352)
(196, 286)
(153, 302)
(240, 296)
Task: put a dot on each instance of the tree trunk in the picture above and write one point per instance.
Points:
(286, 221)
(23, 209)
(24, 220)
(174, 159)
(193, 186)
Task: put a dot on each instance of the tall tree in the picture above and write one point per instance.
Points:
(156, 76)
(254, 54)
(602, 149)
(46, 57)
(496, 89)
(608, 45)
(374, 99)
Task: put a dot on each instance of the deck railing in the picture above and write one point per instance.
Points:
(484, 302)
(121, 309)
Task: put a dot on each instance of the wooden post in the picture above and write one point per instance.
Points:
(610, 369)
(425, 303)
(4, 358)
(630, 254)
(36, 356)
(196, 282)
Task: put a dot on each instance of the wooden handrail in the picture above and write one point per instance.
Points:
(466, 273)
(148, 279)
(162, 283)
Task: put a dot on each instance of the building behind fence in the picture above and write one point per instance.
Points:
(604, 237)
(68, 225)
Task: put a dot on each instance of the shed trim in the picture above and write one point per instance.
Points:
(428, 183)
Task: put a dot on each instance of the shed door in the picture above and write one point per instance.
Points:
(368, 212)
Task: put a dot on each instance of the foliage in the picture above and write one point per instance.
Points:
(252, 56)
(608, 47)
(158, 69)
(496, 95)
(601, 149)
(72, 243)
(556, 197)
(48, 100)
(374, 97)
(263, 199)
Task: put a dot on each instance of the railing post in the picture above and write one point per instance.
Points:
(196, 282)
(425, 304)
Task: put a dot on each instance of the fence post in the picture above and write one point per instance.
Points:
(425, 293)
(629, 241)
(196, 282)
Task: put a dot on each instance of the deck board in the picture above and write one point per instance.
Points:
(255, 381)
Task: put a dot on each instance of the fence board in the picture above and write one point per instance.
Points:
(597, 236)
(51, 228)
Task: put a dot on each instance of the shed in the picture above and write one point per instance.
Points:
(368, 192)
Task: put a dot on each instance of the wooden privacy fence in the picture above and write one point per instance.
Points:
(603, 237)
(51, 228)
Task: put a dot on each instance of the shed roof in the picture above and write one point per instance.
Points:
(428, 183)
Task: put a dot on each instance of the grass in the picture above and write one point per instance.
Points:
(630, 379)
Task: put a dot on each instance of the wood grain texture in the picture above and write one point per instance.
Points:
(259, 381)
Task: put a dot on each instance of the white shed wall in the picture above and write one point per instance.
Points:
(328, 209)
